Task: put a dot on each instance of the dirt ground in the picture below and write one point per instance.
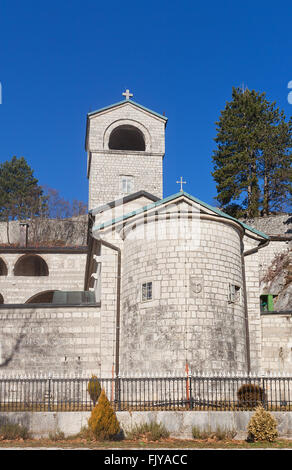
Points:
(139, 444)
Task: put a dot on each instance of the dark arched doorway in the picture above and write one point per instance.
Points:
(44, 297)
(3, 268)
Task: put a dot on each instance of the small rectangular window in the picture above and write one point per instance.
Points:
(234, 294)
(267, 302)
(146, 291)
(127, 184)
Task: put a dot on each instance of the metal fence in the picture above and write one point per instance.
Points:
(197, 393)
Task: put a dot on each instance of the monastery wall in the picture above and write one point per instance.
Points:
(48, 232)
(51, 340)
(276, 343)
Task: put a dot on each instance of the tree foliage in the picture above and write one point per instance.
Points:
(21, 197)
(252, 162)
(60, 208)
(262, 426)
(94, 389)
(103, 422)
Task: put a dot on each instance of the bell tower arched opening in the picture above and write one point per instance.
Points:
(126, 137)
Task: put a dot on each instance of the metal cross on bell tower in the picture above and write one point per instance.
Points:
(181, 182)
(127, 94)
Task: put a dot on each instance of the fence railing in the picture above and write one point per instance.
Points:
(197, 393)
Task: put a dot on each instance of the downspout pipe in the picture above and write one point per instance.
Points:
(262, 244)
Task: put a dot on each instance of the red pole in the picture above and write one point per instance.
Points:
(112, 391)
(188, 384)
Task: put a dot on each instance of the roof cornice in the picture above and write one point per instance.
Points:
(123, 102)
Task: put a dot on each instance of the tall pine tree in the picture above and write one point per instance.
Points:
(253, 155)
(20, 196)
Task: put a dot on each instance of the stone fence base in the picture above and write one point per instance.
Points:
(178, 423)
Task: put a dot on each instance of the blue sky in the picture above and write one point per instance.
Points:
(62, 59)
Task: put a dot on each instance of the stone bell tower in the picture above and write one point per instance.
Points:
(125, 144)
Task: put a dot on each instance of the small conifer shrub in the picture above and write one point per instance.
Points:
(103, 422)
(262, 426)
(250, 395)
(94, 389)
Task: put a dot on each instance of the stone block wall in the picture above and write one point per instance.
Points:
(106, 169)
(109, 273)
(51, 340)
(253, 304)
(48, 232)
(276, 343)
(268, 254)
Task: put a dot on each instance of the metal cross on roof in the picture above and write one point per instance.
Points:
(181, 182)
(127, 94)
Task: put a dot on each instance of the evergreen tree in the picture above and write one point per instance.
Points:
(252, 159)
(275, 164)
(103, 421)
(20, 196)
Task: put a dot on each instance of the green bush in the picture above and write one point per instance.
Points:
(152, 431)
(250, 395)
(103, 422)
(11, 431)
(94, 389)
(262, 426)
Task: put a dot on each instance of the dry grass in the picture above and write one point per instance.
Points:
(169, 443)
(152, 431)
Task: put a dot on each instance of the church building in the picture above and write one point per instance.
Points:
(158, 283)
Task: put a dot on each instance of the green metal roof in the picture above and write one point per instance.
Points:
(127, 101)
(170, 198)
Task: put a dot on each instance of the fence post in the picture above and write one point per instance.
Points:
(190, 388)
(118, 392)
(264, 394)
(49, 392)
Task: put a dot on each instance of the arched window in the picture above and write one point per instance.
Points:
(126, 137)
(3, 268)
(31, 265)
(44, 297)
(1, 299)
